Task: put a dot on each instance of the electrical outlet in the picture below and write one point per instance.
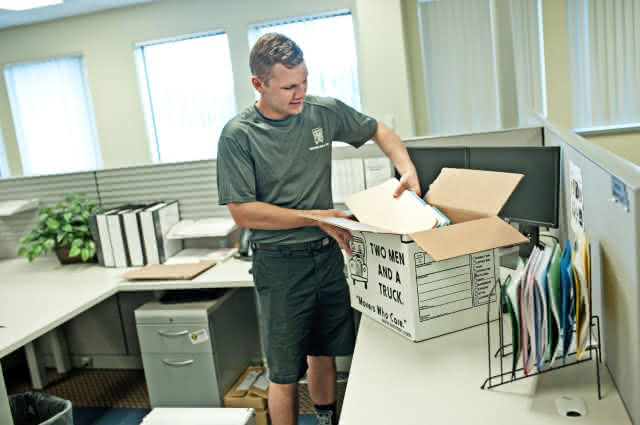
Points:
(85, 361)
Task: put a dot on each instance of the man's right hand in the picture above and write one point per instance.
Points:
(342, 236)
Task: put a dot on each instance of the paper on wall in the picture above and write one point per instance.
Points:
(377, 171)
(347, 177)
(577, 200)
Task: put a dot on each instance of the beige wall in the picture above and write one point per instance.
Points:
(106, 41)
(556, 49)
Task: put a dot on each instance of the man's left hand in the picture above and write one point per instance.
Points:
(409, 180)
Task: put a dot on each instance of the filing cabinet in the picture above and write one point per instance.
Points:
(193, 352)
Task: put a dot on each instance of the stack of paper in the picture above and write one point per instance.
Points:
(548, 299)
(8, 208)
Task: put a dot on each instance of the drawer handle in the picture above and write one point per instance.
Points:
(179, 333)
(175, 363)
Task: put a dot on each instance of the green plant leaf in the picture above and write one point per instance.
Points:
(70, 197)
(74, 251)
(25, 239)
(77, 242)
(60, 236)
(67, 216)
(49, 244)
(85, 214)
(53, 224)
(67, 228)
(37, 250)
(60, 206)
(91, 245)
(92, 251)
(30, 256)
(43, 217)
(83, 228)
(22, 251)
(84, 253)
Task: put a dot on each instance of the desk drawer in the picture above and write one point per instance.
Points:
(174, 338)
(181, 380)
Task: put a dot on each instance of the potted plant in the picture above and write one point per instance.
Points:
(65, 229)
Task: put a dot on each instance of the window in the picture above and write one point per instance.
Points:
(604, 62)
(52, 115)
(187, 91)
(4, 166)
(332, 71)
(482, 60)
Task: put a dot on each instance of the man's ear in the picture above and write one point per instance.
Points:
(257, 83)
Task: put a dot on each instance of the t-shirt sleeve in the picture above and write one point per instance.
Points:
(353, 127)
(235, 172)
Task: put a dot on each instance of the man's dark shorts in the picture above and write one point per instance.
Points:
(304, 308)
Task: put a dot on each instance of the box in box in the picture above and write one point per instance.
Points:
(247, 392)
(422, 281)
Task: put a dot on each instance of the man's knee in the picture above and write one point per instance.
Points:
(321, 363)
(283, 389)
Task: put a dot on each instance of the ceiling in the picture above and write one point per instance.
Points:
(10, 18)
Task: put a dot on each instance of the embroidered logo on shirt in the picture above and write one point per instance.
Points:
(318, 139)
(317, 135)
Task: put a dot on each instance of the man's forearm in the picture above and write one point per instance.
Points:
(393, 148)
(261, 215)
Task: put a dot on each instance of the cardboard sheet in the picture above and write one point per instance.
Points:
(169, 271)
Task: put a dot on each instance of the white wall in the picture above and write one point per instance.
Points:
(106, 41)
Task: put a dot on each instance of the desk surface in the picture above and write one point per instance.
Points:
(394, 380)
(38, 297)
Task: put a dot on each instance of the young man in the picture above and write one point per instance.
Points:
(274, 163)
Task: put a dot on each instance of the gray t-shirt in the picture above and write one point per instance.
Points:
(287, 162)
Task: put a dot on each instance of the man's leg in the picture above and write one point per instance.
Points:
(283, 403)
(321, 377)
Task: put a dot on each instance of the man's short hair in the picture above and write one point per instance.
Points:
(270, 49)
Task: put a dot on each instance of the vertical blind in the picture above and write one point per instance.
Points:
(329, 50)
(53, 116)
(459, 66)
(604, 62)
(528, 55)
(187, 91)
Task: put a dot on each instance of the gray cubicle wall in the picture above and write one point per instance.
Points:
(528, 136)
(49, 189)
(614, 232)
(192, 183)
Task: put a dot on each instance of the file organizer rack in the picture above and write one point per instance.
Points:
(502, 378)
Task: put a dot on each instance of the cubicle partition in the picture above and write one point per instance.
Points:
(193, 184)
(611, 219)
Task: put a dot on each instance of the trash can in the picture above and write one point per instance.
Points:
(40, 409)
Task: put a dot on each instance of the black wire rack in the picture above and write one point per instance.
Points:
(507, 375)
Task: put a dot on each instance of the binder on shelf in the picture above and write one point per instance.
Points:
(118, 238)
(100, 232)
(133, 236)
(155, 223)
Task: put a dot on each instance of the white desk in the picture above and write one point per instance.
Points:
(396, 381)
(36, 298)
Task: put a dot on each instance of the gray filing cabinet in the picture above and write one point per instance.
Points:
(193, 352)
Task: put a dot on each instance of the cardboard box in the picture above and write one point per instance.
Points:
(239, 396)
(422, 281)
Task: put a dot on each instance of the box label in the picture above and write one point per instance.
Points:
(378, 272)
(450, 286)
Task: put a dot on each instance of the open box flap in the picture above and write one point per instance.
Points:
(466, 238)
(484, 192)
(346, 223)
(403, 215)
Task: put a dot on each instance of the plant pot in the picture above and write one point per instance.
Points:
(62, 253)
